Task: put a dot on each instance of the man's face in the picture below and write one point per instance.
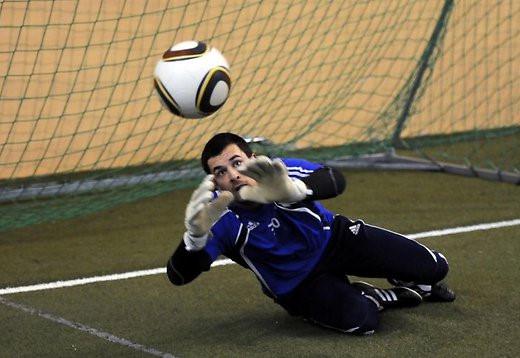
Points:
(224, 168)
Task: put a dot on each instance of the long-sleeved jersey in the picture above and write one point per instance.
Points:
(280, 243)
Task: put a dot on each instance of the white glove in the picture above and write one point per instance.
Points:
(202, 212)
(273, 181)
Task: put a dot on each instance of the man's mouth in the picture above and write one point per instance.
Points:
(238, 187)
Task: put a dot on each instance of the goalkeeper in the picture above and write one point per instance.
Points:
(264, 215)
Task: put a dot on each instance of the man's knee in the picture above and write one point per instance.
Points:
(331, 302)
(442, 267)
(359, 318)
(431, 271)
(369, 325)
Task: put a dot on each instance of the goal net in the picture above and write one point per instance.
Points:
(81, 128)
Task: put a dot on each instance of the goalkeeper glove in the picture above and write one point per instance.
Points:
(202, 212)
(273, 182)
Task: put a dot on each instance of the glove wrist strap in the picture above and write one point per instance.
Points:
(301, 191)
(195, 243)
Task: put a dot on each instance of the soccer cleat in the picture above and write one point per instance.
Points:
(439, 292)
(390, 297)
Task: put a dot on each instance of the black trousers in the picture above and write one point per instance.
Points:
(326, 297)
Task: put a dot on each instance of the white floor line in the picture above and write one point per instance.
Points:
(81, 327)
(161, 270)
(461, 229)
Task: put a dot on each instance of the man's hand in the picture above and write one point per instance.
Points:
(273, 182)
(202, 212)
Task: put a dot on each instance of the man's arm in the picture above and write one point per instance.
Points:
(190, 258)
(184, 266)
(324, 183)
(273, 182)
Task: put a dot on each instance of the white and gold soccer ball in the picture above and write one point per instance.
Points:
(192, 79)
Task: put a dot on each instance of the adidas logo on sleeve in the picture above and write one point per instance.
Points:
(354, 228)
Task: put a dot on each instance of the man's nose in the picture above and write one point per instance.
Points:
(233, 173)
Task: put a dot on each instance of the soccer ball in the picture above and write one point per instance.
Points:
(192, 79)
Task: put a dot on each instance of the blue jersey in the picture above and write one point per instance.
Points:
(280, 243)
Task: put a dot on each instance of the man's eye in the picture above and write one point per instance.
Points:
(219, 173)
(237, 163)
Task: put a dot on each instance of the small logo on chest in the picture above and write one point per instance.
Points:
(251, 225)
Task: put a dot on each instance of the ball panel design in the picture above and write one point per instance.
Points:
(206, 91)
(220, 94)
(166, 98)
(179, 52)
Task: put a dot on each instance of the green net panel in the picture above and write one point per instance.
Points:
(81, 128)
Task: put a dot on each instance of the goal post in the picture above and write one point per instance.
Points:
(420, 84)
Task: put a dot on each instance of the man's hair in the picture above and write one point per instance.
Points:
(216, 145)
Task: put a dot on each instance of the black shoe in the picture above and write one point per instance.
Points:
(439, 292)
(389, 297)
